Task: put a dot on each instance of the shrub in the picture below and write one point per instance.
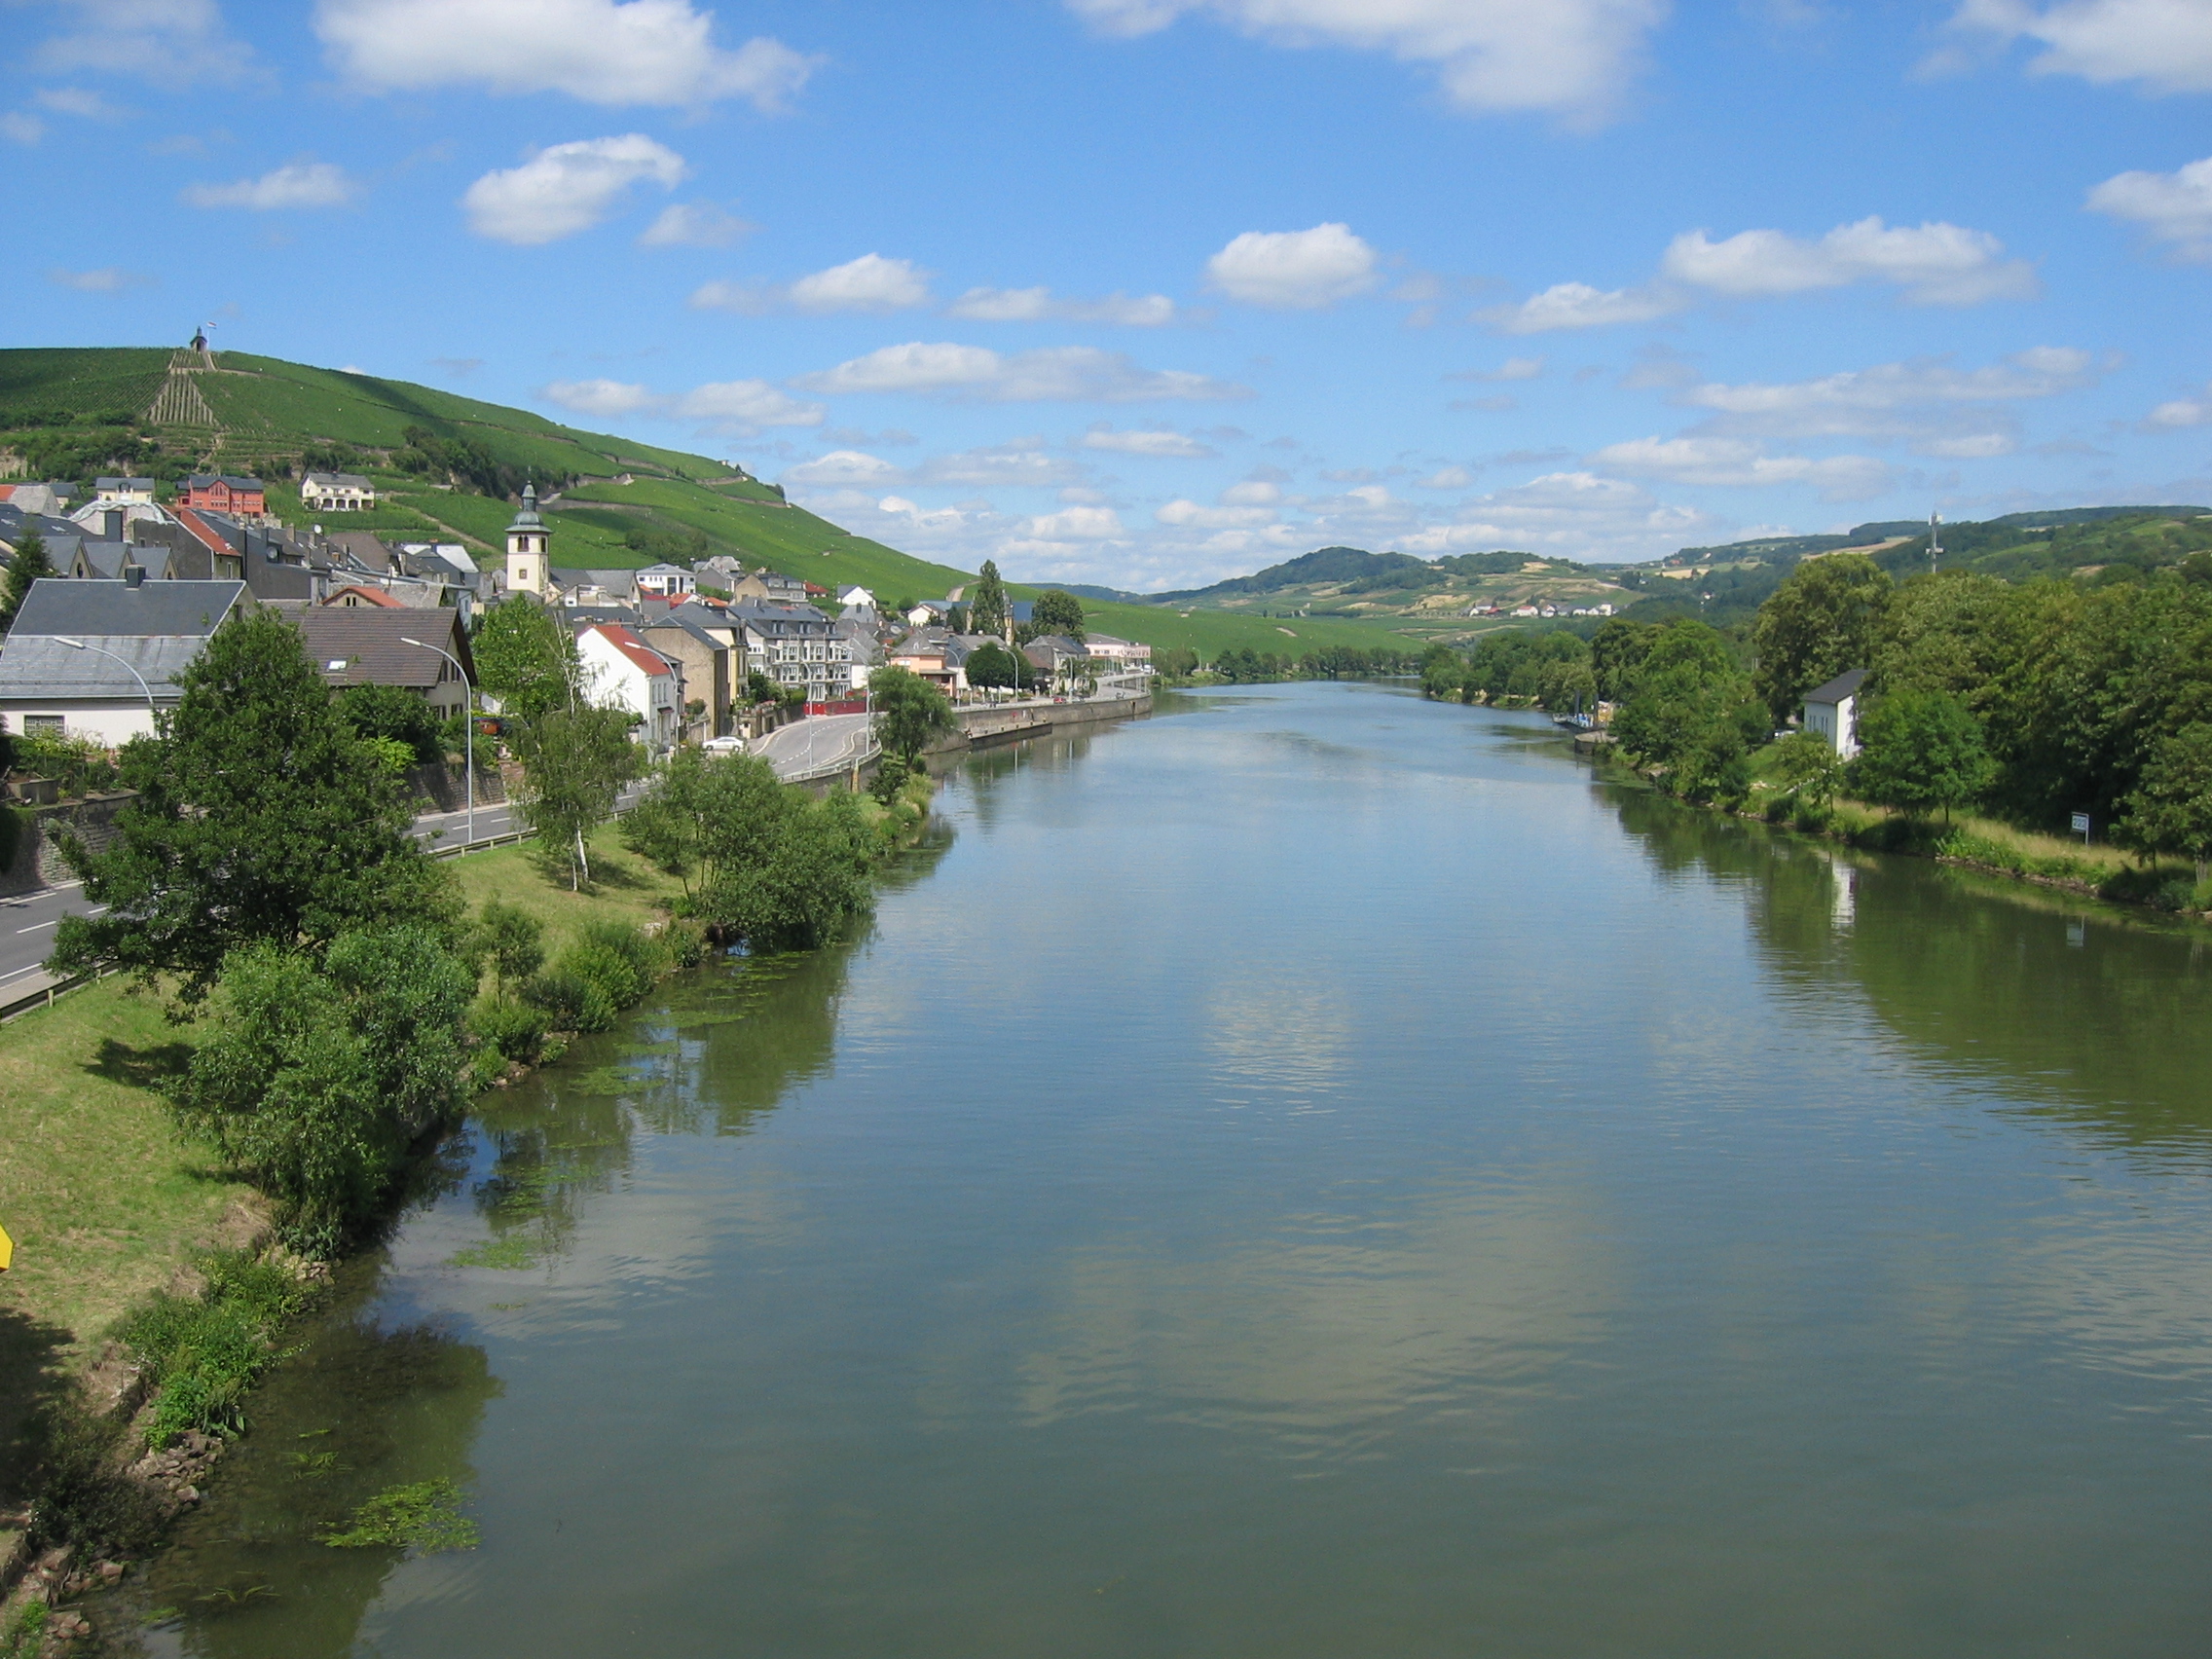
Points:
(618, 959)
(205, 1352)
(84, 1497)
(513, 1029)
(511, 939)
(890, 775)
(572, 1002)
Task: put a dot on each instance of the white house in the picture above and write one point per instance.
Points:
(1833, 710)
(670, 581)
(1123, 653)
(621, 671)
(86, 658)
(857, 597)
(337, 493)
(122, 493)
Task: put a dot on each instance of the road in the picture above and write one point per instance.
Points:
(810, 746)
(26, 929)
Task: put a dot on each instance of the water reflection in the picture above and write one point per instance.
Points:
(2086, 1015)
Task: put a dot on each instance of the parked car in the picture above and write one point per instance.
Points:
(723, 746)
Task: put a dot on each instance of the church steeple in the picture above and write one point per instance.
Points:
(528, 540)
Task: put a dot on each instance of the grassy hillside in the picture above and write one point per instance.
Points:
(72, 412)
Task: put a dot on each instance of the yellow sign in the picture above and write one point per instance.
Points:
(7, 1249)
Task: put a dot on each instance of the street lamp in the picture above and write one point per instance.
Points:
(467, 727)
(152, 714)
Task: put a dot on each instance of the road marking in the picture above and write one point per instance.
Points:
(36, 925)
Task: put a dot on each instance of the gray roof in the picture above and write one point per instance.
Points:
(371, 642)
(84, 610)
(40, 668)
(1844, 684)
(337, 480)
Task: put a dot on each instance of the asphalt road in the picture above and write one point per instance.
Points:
(27, 928)
(804, 746)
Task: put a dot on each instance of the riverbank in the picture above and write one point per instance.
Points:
(2096, 870)
(110, 1207)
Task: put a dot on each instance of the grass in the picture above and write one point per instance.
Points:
(625, 888)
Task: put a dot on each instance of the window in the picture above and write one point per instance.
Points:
(47, 726)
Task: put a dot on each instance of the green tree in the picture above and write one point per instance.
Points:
(395, 713)
(29, 563)
(1690, 712)
(804, 875)
(511, 939)
(574, 762)
(987, 605)
(1616, 651)
(667, 825)
(2171, 808)
(995, 665)
(260, 817)
(1807, 762)
(526, 658)
(1818, 622)
(760, 688)
(909, 712)
(1057, 612)
(1921, 750)
(313, 1078)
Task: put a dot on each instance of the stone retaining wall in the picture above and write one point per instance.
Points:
(38, 855)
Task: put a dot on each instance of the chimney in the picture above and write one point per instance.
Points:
(111, 525)
(134, 575)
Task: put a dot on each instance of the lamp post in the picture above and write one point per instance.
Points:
(152, 714)
(467, 725)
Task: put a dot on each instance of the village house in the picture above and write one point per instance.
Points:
(1833, 710)
(83, 657)
(621, 671)
(224, 493)
(796, 646)
(371, 645)
(337, 493)
(665, 581)
(122, 493)
(936, 655)
(709, 648)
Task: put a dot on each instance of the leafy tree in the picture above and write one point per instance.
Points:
(1616, 651)
(1690, 711)
(526, 658)
(29, 563)
(314, 1077)
(996, 665)
(1057, 612)
(2170, 809)
(909, 712)
(574, 763)
(1807, 762)
(760, 688)
(805, 876)
(260, 817)
(987, 605)
(395, 713)
(1821, 620)
(511, 939)
(666, 825)
(1921, 750)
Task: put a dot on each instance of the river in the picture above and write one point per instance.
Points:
(1313, 1174)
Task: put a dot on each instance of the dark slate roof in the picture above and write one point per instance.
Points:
(1844, 684)
(371, 642)
(40, 668)
(85, 608)
(693, 625)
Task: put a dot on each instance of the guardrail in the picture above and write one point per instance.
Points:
(505, 839)
(22, 999)
(850, 759)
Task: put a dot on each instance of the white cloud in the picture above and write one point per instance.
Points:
(733, 407)
(2173, 208)
(854, 467)
(2180, 413)
(1936, 263)
(77, 101)
(1512, 369)
(1449, 478)
(567, 188)
(1573, 57)
(108, 279)
(1577, 305)
(645, 51)
(1041, 304)
(1252, 493)
(296, 184)
(1576, 515)
(1074, 524)
(1735, 461)
(2164, 43)
(694, 223)
(1058, 374)
(169, 41)
(1294, 269)
(1174, 446)
(1190, 515)
(870, 284)
(23, 127)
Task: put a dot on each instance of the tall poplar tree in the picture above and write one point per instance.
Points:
(987, 610)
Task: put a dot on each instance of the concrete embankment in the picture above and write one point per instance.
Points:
(1009, 722)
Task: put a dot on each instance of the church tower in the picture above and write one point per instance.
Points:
(527, 541)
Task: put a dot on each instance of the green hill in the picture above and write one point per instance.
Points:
(449, 465)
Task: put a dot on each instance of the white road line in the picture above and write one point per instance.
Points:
(37, 926)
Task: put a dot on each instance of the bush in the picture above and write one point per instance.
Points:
(508, 1027)
(570, 1002)
(510, 940)
(314, 1081)
(890, 775)
(617, 958)
(76, 765)
(84, 1497)
(205, 1352)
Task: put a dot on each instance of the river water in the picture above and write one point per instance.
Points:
(1313, 1174)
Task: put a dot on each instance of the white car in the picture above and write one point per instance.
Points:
(723, 746)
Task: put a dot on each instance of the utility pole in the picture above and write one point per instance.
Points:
(1935, 541)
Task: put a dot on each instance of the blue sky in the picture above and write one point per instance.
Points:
(1147, 292)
